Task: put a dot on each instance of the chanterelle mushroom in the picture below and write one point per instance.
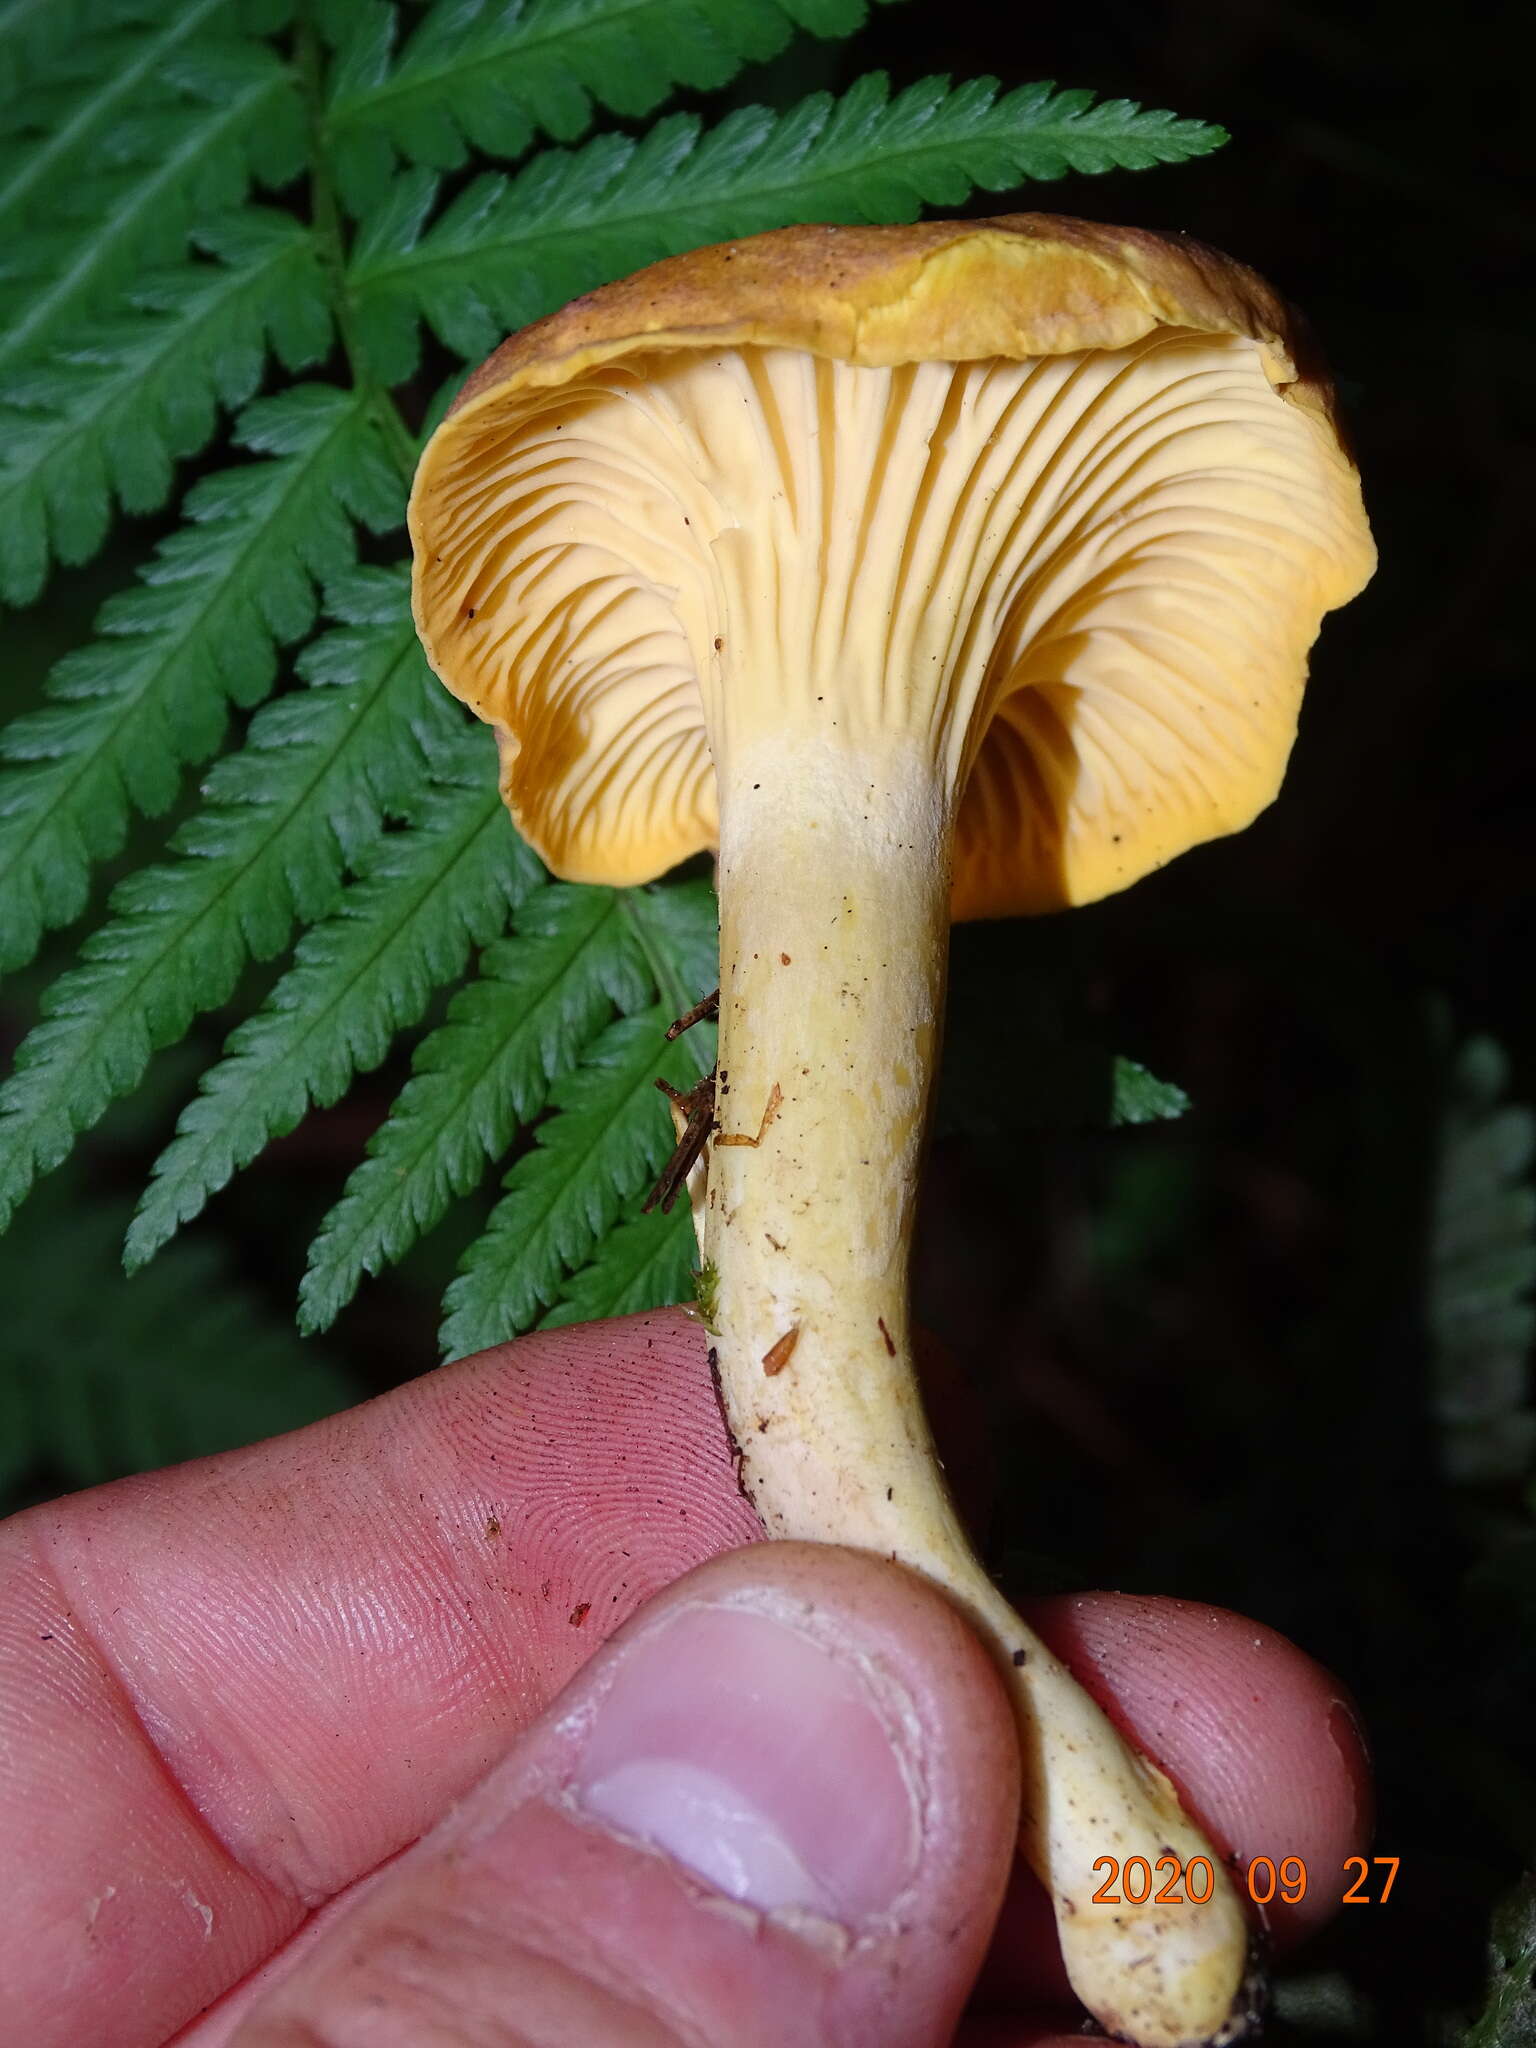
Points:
(942, 571)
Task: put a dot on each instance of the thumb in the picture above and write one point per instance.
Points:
(778, 1808)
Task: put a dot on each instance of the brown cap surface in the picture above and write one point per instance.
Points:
(1021, 284)
(1146, 702)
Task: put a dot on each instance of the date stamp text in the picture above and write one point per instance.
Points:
(1365, 1880)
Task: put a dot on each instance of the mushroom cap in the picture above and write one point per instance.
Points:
(1167, 510)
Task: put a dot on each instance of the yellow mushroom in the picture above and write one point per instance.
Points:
(956, 570)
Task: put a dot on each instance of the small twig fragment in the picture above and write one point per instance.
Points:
(697, 1107)
(709, 1006)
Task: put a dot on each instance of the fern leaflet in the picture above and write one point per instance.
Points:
(645, 1263)
(678, 930)
(151, 694)
(283, 815)
(610, 1139)
(425, 897)
(33, 32)
(84, 96)
(242, 118)
(509, 249)
(94, 1388)
(539, 997)
(110, 418)
(490, 74)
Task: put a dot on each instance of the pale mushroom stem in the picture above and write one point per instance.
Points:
(834, 884)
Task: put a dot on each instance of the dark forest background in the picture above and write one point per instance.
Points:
(1272, 1354)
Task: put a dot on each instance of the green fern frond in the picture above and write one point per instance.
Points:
(491, 74)
(425, 897)
(591, 1162)
(645, 1263)
(301, 798)
(37, 35)
(74, 68)
(509, 249)
(1137, 1097)
(140, 298)
(539, 998)
(151, 694)
(593, 1159)
(241, 119)
(109, 419)
(678, 930)
(101, 1376)
(42, 82)
(33, 32)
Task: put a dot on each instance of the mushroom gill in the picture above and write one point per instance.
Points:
(1087, 582)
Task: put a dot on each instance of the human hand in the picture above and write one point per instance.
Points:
(232, 1694)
